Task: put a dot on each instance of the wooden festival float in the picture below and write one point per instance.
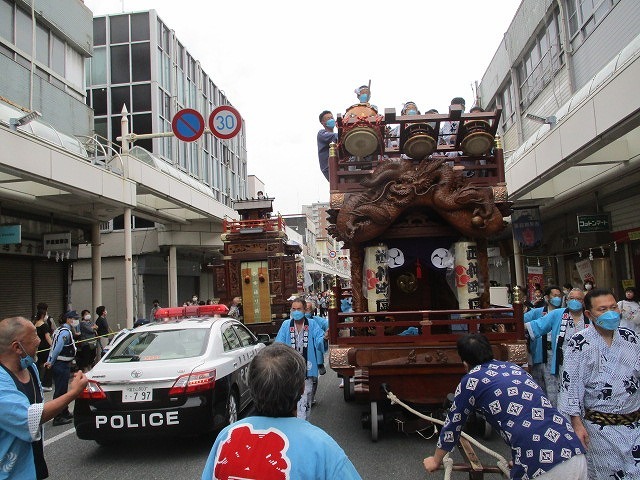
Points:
(416, 210)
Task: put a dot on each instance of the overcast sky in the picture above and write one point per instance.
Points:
(282, 62)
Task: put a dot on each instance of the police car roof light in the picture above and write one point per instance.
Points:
(191, 311)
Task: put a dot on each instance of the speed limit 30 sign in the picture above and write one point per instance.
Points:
(225, 122)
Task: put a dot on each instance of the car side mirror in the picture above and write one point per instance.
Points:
(264, 338)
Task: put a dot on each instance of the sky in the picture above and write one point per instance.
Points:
(282, 62)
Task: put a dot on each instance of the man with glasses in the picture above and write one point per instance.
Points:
(600, 389)
(306, 336)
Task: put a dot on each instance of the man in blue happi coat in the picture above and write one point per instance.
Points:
(22, 404)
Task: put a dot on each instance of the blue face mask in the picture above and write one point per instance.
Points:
(297, 314)
(574, 305)
(27, 360)
(331, 123)
(412, 112)
(609, 320)
(308, 314)
(555, 301)
(364, 98)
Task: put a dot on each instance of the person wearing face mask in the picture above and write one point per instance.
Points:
(22, 403)
(588, 285)
(87, 346)
(540, 348)
(326, 136)
(630, 310)
(561, 323)
(63, 352)
(600, 389)
(393, 135)
(323, 323)
(306, 336)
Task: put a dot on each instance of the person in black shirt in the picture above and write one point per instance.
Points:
(103, 328)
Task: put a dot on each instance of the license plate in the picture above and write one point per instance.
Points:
(137, 393)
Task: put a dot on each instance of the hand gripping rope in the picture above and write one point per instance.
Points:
(502, 463)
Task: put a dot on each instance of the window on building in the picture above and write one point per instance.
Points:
(120, 64)
(119, 28)
(120, 97)
(141, 97)
(584, 15)
(540, 61)
(99, 103)
(58, 52)
(99, 66)
(23, 31)
(139, 27)
(6, 20)
(74, 68)
(42, 44)
(99, 31)
(140, 62)
(136, 222)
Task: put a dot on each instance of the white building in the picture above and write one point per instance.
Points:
(567, 76)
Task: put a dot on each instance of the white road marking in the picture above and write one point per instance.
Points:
(60, 436)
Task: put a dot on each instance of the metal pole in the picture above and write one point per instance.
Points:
(128, 269)
(96, 266)
(173, 276)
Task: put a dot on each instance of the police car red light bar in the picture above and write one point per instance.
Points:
(194, 382)
(93, 391)
(192, 311)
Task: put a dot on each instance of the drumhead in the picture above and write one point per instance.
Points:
(419, 146)
(361, 141)
(477, 143)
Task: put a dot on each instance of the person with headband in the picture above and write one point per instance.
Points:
(600, 389)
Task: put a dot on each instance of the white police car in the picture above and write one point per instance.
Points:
(183, 375)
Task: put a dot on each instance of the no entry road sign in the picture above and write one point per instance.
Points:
(225, 122)
(187, 125)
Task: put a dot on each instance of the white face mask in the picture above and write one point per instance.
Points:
(75, 322)
(87, 317)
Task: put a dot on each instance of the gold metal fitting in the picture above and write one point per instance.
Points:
(498, 141)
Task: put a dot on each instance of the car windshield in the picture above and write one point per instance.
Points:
(160, 345)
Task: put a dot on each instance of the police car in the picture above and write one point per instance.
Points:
(184, 374)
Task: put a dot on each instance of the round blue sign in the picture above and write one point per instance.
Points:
(187, 125)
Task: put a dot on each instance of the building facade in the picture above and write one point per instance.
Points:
(43, 47)
(139, 64)
(566, 78)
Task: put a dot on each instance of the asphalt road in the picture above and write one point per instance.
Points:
(396, 455)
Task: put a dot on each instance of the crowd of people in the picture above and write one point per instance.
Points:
(574, 415)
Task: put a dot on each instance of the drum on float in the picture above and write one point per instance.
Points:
(360, 137)
(477, 139)
(418, 140)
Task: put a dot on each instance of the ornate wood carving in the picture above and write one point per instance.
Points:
(395, 186)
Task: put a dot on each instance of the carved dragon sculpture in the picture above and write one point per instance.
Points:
(395, 186)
